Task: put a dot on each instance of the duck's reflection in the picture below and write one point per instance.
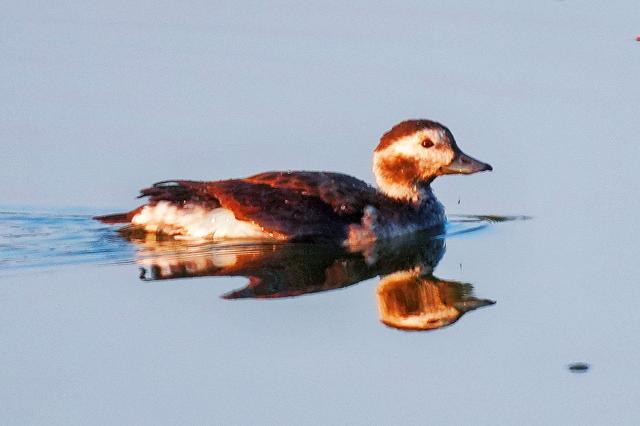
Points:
(409, 301)
(409, 296)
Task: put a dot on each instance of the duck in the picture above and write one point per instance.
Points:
(313, 205)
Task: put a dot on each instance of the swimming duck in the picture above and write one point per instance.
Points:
(304, 205)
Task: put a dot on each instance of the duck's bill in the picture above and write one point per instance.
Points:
(465, 165)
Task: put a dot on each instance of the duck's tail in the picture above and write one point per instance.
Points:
(113, 218)
(118, 217)
(175, 192)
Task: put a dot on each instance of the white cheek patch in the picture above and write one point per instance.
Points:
(195, 222)
(409, 146)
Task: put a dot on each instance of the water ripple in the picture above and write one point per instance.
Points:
(36, 240)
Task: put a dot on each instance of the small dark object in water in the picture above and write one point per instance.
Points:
(638, 38)
(579, 367)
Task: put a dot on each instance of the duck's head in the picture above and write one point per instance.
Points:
(415, 152)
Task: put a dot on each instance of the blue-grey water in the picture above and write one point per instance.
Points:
(33, 240)
(100, 99)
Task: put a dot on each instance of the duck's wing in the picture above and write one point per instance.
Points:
(294, 204)
(345, 194)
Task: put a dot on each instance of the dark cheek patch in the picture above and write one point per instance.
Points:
(400, 170)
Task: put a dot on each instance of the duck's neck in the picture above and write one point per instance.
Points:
(408, 192)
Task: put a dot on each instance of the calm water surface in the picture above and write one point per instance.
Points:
(100, 99)
(307, 333)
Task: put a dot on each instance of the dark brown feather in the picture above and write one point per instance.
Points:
(115, 218)
(180, 192)
(279, 209)
(345, 194)
(299, 205)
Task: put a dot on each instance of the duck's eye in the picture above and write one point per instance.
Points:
(427, 143)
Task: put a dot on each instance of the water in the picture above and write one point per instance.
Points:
(40, 240)
(95, 316)
(103, 98)
(409, 296)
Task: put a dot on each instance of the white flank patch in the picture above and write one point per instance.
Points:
(195, 222)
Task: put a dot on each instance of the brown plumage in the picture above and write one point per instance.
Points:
(316, 205)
